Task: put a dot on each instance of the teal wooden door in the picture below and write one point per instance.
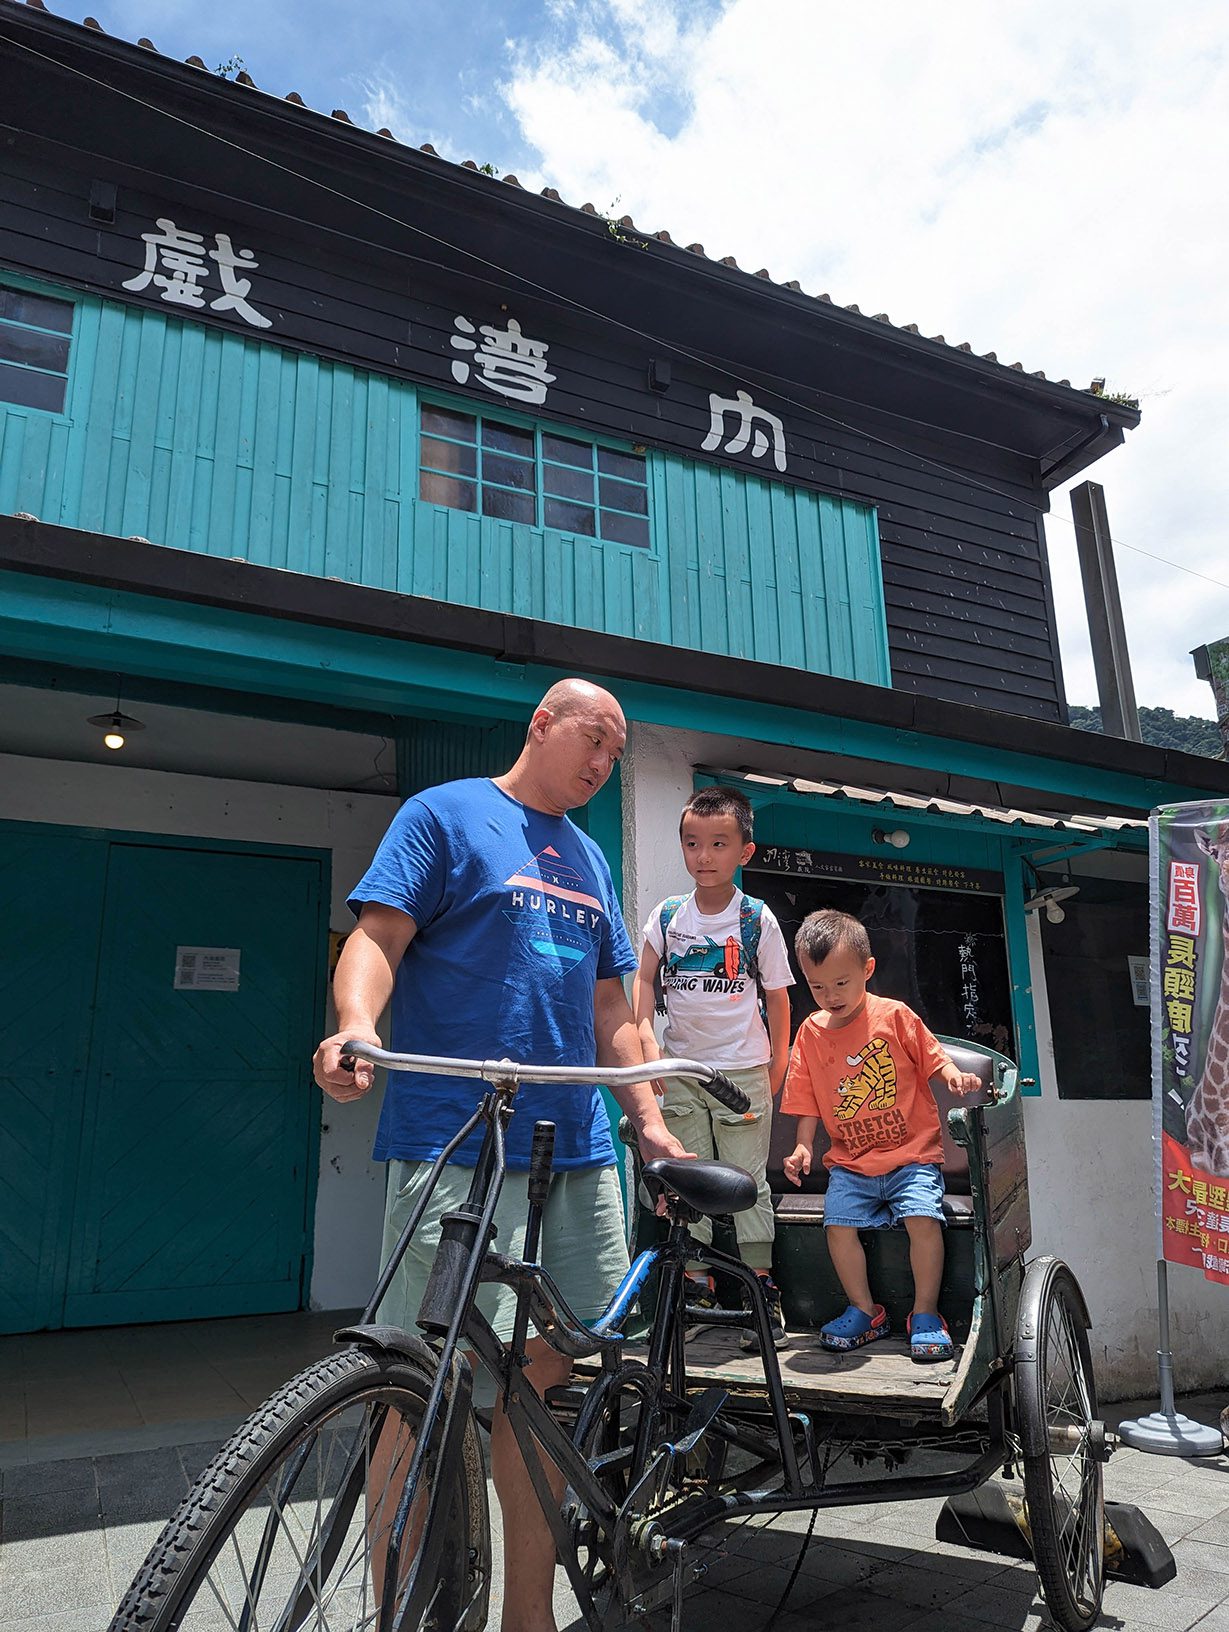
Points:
(180, 1125)
(51, 887)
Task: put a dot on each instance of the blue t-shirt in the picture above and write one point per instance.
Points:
(517, 920)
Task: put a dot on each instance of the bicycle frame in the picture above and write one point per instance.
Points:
(464, 1261)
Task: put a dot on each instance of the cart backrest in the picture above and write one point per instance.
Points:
(955, 1158)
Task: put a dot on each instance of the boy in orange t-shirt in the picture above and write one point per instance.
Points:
(862, 1065)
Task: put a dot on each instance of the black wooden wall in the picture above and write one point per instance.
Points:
(367, 251)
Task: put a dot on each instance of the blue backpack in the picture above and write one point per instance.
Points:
(750, 923)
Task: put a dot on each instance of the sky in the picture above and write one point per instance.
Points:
(1047, 181)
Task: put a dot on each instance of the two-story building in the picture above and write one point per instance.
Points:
(321, 458)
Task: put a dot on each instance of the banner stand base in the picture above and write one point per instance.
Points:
(1171, 1434)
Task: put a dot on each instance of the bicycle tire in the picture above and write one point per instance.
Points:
(233, 1532)
(1056, 1402)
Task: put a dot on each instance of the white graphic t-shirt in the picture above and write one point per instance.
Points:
(712, 1002)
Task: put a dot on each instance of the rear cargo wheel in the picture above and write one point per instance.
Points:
(1063, 1443)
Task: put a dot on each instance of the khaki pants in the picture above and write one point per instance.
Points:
(706, 1128)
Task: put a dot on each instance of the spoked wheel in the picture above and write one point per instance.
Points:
(288, 1527)
(1062, 1442)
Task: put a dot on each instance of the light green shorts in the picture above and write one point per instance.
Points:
(583, 1243)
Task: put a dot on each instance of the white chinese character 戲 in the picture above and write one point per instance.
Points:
(176, 264)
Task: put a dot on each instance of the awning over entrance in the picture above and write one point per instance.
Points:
(1097, 828)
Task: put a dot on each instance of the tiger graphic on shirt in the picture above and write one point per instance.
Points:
(871, 1085)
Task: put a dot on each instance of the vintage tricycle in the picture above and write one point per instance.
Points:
(356, 1496)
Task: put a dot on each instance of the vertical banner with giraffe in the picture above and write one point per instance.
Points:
(1190, 1032)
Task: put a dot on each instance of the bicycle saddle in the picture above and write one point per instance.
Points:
(708, 1187)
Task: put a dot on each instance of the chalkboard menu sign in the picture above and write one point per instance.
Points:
(936, 933)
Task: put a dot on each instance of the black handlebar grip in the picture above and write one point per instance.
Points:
(729, 1093)
(541, 1155)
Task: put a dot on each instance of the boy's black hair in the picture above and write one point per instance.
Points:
(722, 802)
(823, 933)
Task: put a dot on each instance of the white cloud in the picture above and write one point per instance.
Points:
(1047, 182)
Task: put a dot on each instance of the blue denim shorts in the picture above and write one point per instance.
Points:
(874, 1201)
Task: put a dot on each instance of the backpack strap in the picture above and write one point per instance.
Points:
(665, 918)
(750, 925)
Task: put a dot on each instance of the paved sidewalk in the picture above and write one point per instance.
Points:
(75, 1530)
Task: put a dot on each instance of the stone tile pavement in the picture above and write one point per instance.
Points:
(74, 1529)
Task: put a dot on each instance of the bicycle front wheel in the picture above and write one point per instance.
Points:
(288, 1526)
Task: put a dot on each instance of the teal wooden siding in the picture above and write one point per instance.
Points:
(230, 446)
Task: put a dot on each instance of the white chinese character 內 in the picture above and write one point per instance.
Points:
(181, 256)
(236, 290)
(505, 360)
(742, 405)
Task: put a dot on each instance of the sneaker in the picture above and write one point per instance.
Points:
(701, 1296)
(776, 1317)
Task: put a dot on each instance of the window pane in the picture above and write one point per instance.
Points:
(29, 346)
(628, 465)
(570, 518)
(498, 501)
(568, 484)
(20, 307)
(623, 496)
(453, 456)
(445, 423)
(625, 529)
(446, 490)
(507, 472)
(567, 452)
(507, 438)
(31, 390)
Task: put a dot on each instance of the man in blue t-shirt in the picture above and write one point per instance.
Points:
(490, 921)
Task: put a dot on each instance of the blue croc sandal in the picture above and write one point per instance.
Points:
(854, 1328)
(929, 1338)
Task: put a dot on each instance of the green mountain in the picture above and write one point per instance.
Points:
(1161, 727)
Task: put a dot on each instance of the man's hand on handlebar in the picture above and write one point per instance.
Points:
(332, 1077)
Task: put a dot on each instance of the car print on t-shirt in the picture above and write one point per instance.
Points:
(713, 965)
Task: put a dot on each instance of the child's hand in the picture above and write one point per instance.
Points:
(964, 1082)
(797, 1163)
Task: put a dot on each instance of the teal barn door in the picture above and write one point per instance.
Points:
(179, 1129)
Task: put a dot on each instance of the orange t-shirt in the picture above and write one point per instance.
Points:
(869, 1084)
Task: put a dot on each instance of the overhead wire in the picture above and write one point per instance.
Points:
(964, 478)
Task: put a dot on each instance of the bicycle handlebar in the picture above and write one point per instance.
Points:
(711, 1080)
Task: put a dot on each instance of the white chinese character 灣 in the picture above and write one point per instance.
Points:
(504, 360)
(741, 405)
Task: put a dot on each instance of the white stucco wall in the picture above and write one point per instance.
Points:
(349, 1204)
(1090, 1162)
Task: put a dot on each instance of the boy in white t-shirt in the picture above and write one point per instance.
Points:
(712, 953)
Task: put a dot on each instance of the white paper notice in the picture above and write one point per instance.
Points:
(207, 968)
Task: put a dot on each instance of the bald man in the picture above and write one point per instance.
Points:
(491, 922)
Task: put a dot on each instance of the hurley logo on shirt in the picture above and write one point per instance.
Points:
(560, 919)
